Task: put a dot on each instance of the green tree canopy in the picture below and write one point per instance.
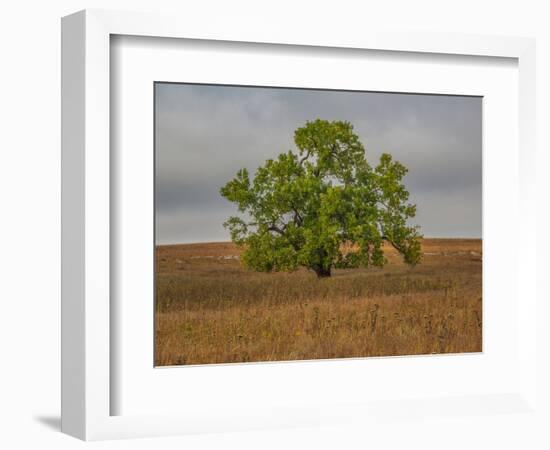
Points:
(323, 206)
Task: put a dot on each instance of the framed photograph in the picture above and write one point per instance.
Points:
(263, 231)
(313, 253)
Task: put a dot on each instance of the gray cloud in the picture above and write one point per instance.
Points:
(204, 134)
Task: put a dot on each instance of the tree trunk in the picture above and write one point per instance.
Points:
(322, 272)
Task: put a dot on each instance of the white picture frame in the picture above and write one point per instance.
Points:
(87, 387)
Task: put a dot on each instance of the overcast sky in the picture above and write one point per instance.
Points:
(204, 134)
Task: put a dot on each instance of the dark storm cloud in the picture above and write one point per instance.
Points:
(204, 134)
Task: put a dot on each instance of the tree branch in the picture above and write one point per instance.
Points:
(301, 161)
(393, 244)
(276, 229)
(297, 217)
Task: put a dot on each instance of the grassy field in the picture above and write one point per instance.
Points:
(209, 309)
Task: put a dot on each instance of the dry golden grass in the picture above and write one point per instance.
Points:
(211, 310)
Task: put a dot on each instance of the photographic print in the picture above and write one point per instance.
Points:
(303, 224)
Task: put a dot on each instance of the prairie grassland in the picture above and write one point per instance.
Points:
(209, 309)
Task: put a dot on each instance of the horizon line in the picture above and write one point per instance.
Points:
(230, 242)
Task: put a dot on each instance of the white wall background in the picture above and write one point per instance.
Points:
(30, 193)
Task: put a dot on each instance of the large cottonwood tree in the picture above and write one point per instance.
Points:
(323, 206)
